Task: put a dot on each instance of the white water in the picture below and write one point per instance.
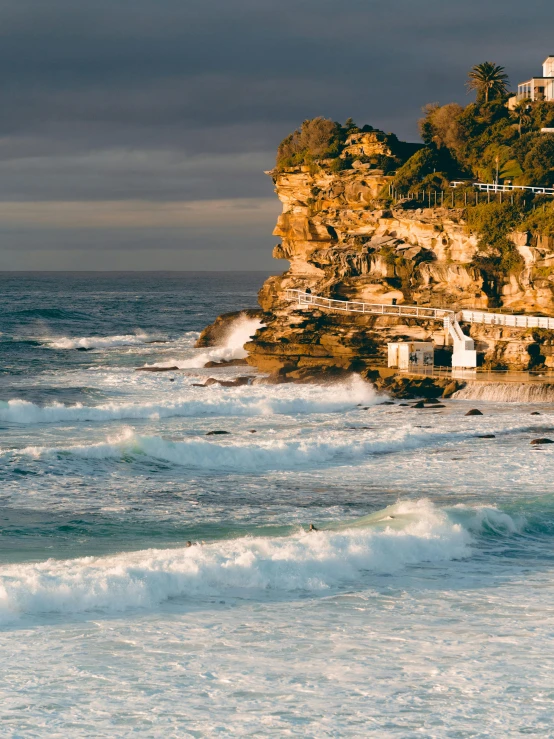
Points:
(303, 561)
(508, 392)
(424, 605)
(103, 342)
(211, 401)
(231, 347)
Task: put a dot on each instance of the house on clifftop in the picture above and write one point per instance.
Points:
(538, 88)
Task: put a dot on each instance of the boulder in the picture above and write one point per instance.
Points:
(542, 441)
(474, 412)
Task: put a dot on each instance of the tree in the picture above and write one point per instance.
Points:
(539, 162)
(521, 113)
(488, 79)
(441, 127)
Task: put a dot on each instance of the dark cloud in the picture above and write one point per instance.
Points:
(187, 99)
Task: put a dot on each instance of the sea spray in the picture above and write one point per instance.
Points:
(232, 346)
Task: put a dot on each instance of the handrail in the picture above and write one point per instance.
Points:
(355, 306)
(503, 319)
(494, 187)
(416, 311)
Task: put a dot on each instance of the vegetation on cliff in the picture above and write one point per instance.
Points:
(323, 142)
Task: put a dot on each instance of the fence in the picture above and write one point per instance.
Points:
(381, 309)
(456, 198)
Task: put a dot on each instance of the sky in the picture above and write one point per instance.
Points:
(134, 134)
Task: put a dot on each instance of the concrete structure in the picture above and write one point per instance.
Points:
(539, 88)
(411, 355)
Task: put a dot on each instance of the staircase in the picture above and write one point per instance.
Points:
(464, 354)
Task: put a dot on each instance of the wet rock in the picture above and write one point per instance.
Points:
(543, 440)
(236, 382)
(196, 384)
(535, 413)
(388, 402)
(429, 388)
(421, 404)
(156, 369)
(217, 432)
(226, 363)
(474, 412)
(252, 431)
(485, 436)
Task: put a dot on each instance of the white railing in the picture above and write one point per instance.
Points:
(417, 311)
(493, 187)
(503, 319)
(381, 309)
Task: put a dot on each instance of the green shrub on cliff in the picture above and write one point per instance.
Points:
(541, 220)
(427, 167)
(497, 255)
(319, 139)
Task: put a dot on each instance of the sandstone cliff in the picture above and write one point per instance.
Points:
(342, 243)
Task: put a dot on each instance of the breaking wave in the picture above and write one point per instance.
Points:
(103, 342)
(242, 456)
(405, 534)
(244, 401)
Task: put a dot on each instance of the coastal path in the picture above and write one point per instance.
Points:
(464, 354)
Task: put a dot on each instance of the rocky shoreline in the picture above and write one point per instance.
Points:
(344, 240)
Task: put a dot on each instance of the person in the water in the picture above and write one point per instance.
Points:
(313, 528)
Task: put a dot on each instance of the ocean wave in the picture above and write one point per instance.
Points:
(403, 535)
(103, 342)
(241, 456)
(215, 401)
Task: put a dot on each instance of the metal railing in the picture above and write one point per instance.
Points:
(494, 187)
(381, 309)
(503, 319)
(417, 311)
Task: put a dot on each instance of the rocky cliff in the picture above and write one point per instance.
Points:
(342, 242)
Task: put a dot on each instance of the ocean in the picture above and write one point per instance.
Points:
(422, 606)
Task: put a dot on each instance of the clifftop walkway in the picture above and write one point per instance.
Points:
(422, 313)
(464, 354)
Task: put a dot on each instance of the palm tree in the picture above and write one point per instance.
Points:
(488, 79)
(521, 112)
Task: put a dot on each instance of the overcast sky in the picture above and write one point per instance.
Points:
(134, 133)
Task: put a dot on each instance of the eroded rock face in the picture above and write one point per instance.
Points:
(341, 243)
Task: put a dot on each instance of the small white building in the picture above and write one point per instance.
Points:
(539, 88)
(411, 355)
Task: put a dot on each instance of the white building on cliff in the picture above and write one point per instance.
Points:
(539, 88)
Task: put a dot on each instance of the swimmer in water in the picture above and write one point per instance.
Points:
(189, 544)
(313, 528)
